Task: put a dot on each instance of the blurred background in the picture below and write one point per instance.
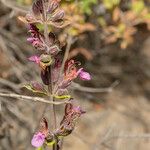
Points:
(112, 41)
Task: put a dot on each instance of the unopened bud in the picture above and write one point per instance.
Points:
(58, 15)
(53, 6)
(37, 7)
(46, 60)
(45, 76)
(30, 39)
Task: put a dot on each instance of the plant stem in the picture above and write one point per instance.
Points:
(50, 86)
(69, 43)
(50, 89)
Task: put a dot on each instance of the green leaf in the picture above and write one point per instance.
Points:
(50, 143)
(36, 88)
(40, 148)
(62, 96)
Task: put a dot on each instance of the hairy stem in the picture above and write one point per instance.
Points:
(69, 43)
(50, 86)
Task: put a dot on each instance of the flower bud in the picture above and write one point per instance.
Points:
(30, 39)
(65, 130)
(37, 86)
(58, 16)
(54, 50)
(53, 6)
(45, 76)
(29, 17)
(52, 38)
(45, 60)
(67, 125)
(37, 7)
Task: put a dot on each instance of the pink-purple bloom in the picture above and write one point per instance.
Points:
(38, 139)
(72, 114)
(84, 75)
(53, 71)
(36, 42)
(78, 110)
(31, 39)
(35, 59)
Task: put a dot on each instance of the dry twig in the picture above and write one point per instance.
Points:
(38, 99)
(9, 84)
(78, 87)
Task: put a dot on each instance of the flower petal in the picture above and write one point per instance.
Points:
(35, 59)
(84, 75)
(30, 39)
(38, 140)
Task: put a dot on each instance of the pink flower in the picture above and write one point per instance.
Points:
(84, 75)
(31, 39)
(35, 59)
(78, 110)
(38, 140)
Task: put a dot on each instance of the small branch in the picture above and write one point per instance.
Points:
(50, 70)
(69, 43)
(76, 86)
(38, 99)
(9, 84)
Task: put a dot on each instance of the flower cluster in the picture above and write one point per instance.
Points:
(67, 125)
(71, 72)
(37, 39)
(46, 11)
(54, 72)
